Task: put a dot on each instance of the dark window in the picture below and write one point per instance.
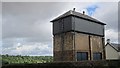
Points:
(97, 56)
(82, 56)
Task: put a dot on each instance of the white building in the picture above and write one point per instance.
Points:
(112, 51)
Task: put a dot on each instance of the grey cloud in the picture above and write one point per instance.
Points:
(39, 52)
(30, 21)
(119, 16)
(29, 49)
(27, 19)
(119, 21)
(108, 13)
(0, 21)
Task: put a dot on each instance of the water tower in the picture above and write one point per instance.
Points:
(77, 37)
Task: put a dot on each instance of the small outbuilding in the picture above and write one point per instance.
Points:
(112, 51)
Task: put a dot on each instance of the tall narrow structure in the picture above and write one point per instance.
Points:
(77, 37)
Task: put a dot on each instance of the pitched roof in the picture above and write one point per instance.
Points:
(77, 14)
(115, 46)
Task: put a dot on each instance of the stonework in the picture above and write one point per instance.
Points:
(81, 42)
(65, 49)
(97, 45)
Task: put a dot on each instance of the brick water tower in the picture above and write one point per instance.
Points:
(77, 37)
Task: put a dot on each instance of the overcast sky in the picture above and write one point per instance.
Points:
(26, 27)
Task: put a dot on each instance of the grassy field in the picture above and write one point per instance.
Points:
(11, 59)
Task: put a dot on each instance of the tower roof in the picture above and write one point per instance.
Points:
(77, 14)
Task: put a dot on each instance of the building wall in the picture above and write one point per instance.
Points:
(63, 47)
(119, 54)
(86, 26)
(81, 42)
(62, 25)
(81, 25)
(96, 43)
(57, 48)
(111, 53)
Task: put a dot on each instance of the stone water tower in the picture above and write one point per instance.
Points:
(77, 37)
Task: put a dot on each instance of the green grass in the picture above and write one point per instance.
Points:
(26, 59)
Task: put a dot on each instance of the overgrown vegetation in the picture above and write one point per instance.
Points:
(11, 59)
(81, 64)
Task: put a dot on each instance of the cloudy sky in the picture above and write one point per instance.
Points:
(26, 27)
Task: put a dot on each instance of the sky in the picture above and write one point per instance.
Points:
(27, 30)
